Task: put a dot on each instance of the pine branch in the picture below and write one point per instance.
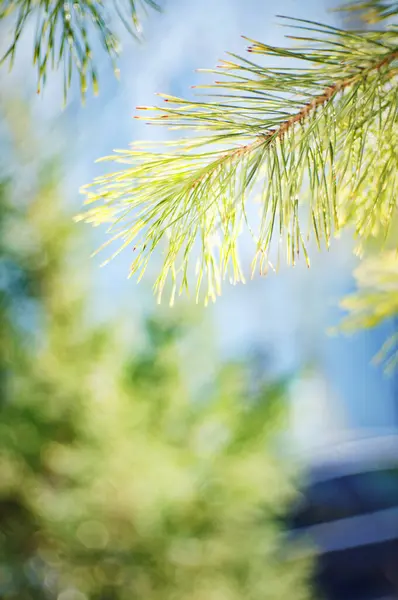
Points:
(319, 136)
(327, 95)
(64, 34)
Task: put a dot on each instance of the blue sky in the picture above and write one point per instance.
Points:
(288, 313)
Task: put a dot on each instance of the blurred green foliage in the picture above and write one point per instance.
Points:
(370, 11)
(115, 482)
(375, 301)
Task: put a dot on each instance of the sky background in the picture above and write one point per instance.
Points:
(284, 316)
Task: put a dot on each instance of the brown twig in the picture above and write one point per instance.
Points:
(328, 94)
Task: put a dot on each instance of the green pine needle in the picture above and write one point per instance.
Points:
(314, 140)
(64, 34)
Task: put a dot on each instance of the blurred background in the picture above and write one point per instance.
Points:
(149, 452)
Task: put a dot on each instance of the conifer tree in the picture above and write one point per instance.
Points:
(116, 482)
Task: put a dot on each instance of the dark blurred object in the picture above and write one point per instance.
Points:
(349, 510)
